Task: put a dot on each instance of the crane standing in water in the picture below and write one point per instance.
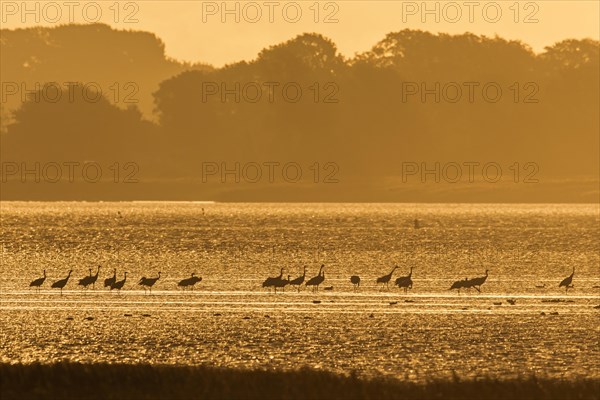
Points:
(61, 283)
(282, 283)
(299, 280)
(272, 280)
(567, 281)
(119, 284)
(477, 282)
(86, 280)
(405, 281)
(109, 281)
(385, 279)
(36, 283)
(460, 284)
(94, 278)
(191, 281)
(148, 282)
(315, 281)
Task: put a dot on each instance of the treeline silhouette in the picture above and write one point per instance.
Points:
(368, 114)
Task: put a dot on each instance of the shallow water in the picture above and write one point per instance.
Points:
(230, 320)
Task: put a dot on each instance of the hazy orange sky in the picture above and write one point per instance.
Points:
(194, 30)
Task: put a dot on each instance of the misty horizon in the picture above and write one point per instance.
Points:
(160, 122)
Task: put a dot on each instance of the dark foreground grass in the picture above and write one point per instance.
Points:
(120, 381)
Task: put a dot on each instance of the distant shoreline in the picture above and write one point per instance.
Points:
(68, 380)
(226, 202)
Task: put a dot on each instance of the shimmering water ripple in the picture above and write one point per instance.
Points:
(230, 320)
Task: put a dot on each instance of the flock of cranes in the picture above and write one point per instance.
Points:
(470, 283)
(275, 282)
(112, 282)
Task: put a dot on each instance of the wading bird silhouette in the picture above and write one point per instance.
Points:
(86, 280)
(477, 282)
(405, 281)
(299, 280)
(567, 281)
(355, 280)
(148, 282)
(385, 280)
(271, 281)
(94, 278)
(460, 285)
(119, 284)
(191, 281)
(36, 283)
(61, 283)
(315, 281)
(282, 283)
(109, 281)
